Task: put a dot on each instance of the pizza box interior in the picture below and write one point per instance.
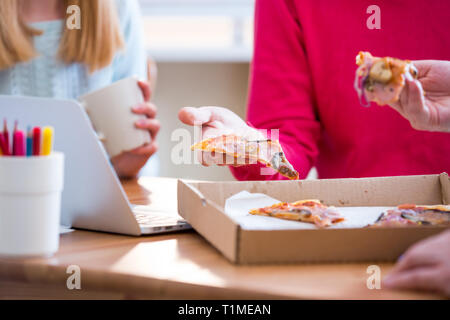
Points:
(202, 205)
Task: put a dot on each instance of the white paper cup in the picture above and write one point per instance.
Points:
(30, 205)
(110, 112)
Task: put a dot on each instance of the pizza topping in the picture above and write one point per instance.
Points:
(380, 72)
(423, 215)
(391, 218)
(311, 211)
(412, 215)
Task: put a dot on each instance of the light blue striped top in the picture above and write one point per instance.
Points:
(46, 76)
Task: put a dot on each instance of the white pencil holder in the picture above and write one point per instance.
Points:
(30, 205)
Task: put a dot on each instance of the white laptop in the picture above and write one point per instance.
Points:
(93, 197)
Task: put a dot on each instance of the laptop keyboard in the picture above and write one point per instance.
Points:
(148, 219)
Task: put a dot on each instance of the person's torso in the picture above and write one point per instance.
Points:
(374, 141)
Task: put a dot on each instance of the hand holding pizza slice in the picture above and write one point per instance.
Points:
(230, 141)
(419, 91)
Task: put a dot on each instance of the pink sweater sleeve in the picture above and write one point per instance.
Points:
(281, 94)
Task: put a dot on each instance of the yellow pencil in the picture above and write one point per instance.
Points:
(47, 141)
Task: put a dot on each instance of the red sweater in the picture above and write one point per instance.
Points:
(302, 83)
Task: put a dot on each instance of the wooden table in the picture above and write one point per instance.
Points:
(176, 266)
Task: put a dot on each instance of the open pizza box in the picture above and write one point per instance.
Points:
(202, 204)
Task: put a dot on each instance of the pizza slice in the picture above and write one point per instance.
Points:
(413, 215)
(312, 211)
(381, 79)
(243, 151)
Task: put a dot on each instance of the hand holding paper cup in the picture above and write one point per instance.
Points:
(110, 112)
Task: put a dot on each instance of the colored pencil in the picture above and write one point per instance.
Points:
(19, 143)
(29, 142)
(47, 141)
(36, 141)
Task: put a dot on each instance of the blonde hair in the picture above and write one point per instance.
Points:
(95, 44)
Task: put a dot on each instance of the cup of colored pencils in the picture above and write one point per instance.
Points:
(31, 184)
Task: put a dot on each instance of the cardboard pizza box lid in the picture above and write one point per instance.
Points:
(202, 205)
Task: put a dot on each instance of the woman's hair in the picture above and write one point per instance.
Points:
(95, 44)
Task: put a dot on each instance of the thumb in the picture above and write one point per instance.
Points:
(416, 101)
(195, 116)
(411, 102)
(145, 88)
(415, 105)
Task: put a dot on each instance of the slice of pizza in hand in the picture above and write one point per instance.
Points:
(381, 79)
(414, 215)
(243, 151)
(312, 211)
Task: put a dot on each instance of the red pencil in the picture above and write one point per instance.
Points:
(6, 135)
(36, 141)
(16, 123)
(3, 146)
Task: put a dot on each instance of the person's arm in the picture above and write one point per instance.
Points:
(132, 61)
(425, 102)
(281, 92)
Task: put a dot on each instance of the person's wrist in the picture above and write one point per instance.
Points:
(123, 169)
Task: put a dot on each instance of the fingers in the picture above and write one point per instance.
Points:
(152, 125)
(146, 91)
(146, 150)
(219, 119)
(411, 105)
(414, 258)
(211, 132)
(195, 116)
(423, 253)
(423, 67)
(147, 109)
(415, 107)
(420, 268)
(422, 279)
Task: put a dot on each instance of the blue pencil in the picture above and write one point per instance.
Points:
(29, 142)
